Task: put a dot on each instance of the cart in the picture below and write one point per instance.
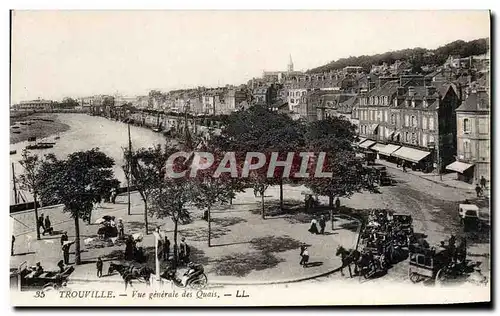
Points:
(469, 216)
(47, 281)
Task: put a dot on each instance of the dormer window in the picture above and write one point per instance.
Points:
(412, 103)
(424, 103)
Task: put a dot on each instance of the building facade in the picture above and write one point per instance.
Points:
(418, 118)
(473, 138)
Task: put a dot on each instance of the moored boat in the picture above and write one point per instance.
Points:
(13, 152)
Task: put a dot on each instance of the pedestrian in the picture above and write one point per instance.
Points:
(304, 256)
(184, 251)
(166, 248)
(12, 248)
(64, 238)
(313, 229)
(60, 264)
(41, 223)
(478, 190)
(113, 195)
(403, 164)
(48, 225)
(322, 224)
(99, 267)
(121, 229)
(337, 204)
(483, 182)
(65, 250)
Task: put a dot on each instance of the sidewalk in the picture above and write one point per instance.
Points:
(448, 180)
(245, 249)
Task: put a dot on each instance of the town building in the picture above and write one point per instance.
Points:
(34, 105)
(417, 120)
(473, 138)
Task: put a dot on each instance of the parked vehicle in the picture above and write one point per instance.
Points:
(469, 216)
(48, 280)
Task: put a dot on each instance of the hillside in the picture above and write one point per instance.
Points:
(416, 56)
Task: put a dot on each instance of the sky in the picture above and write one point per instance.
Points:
(55, 54)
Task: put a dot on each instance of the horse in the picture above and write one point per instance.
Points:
(131, 272)
(348, 257)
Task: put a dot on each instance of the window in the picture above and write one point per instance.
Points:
(467, 149)
(407, 137)
(414, 139)
(372, 115)
(412, 103)
(371, 100)
(303, 93)
(407, 119)
(413, 121)
(483, 126)
(386, 100)
(424, 103)
(466, 126)
(376, 101)
(424, 140)
(431, 139)
(386, 118)
(393, 119)
(431, 123)
(395, 101)
(424, 122)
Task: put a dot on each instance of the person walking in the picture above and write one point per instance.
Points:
(483, 182)
(166, 248)
(48, 225)
(65, 250)
(113, 195)
(121, 229)
(478, 190)
(60, 264)
(337, 204)
(41, 224)
(404, 166)
(12, 247)
(322, 224)
(313, 229)
(184, 251)
(304, 256)
(99, 267)
(64, 238)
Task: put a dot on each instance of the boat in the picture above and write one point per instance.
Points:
(16, 132)
(40, 146)
(13, 152)
(32, 139)
(15, 126)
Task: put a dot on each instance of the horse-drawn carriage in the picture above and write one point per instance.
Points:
(439, 264)
(29, 280)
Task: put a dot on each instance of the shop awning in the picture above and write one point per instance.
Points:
(389, 149)
(361, 139)
(458, 166)
(410, 154)
(366, 144)
(377, 147)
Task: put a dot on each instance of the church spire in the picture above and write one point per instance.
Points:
(290, 64)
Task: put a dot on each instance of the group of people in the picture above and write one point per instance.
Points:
(480, 186)
(45, 224)
(313, 229)
(163, 251)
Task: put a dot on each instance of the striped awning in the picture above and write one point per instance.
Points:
(377, 147)
(366, 144)
(410, 154)
(389, 149)
(458, 166)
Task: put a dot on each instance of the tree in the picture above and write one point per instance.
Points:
(170, 199)
(146, 170)
(334, 136)
(76, 183)
(211, 188)
(30, 180)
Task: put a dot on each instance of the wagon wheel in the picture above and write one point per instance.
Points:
(49, 287)
(199, 283)
(441, 276)
(414, 277)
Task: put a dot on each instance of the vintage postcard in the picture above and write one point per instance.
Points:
(250, 158)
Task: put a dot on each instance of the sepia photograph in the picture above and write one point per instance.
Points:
(250, 158)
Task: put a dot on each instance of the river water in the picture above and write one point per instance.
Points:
(87, 132)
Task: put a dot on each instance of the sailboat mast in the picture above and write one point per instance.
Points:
(128, 168)
(16, 200)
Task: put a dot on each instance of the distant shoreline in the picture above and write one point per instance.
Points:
(38, 129)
